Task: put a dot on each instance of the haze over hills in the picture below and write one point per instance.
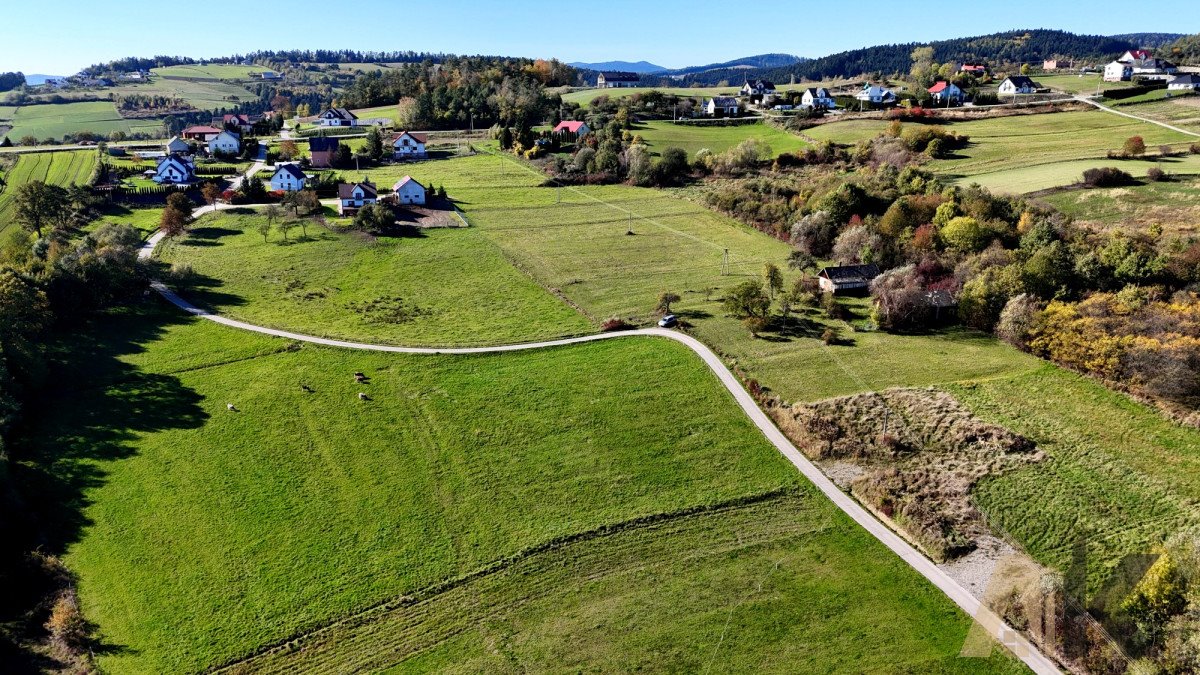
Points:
(640, 67)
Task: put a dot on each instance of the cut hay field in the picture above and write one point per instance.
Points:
(59, 168)
(491, 512)
(1118, 487)
(584, 97)
(1173, 205)
(579, 247)
(1073, 83)
(203, 95)
(1025, 153)
(212, 71)
(56, 119)
(694, 137)
(444, 287)
(1180, 111)
(387, 111)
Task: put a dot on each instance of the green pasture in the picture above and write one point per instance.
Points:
(203, 95)
(1172, 205)
(584, 97)
(1181, 111)
(694, 137)
(212, 71)
(56, 119)
(59, 168)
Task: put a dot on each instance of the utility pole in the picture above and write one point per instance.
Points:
(725, 262)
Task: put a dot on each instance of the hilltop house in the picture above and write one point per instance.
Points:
(1017, 84)
(873, 93)
(288, 178)
(175, 170)
(1189, 82)
(758, 88)
(1118, 72)
(817, 97)
(322, 151)
(176, 146)
(200, 133)
(337, 117)
(721, 105)
(225, 143)
(946, 92)
(407, 145)
(617, 79)
(847, 278)
(578, 129)
(1057, 64)
(409, 191)
(354, 196)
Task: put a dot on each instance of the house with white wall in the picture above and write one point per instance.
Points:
(817, 97)
(225, 143)
(1017, 84)
(721, 105)
(175, 170)
(409, 191)
(407, 145)
(354, 196)
(337, 117)
(288, 178)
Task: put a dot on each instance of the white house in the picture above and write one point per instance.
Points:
(225, 143)
(873, 93)
(407, 145)
(758, 88)
(817, 97)
(288, 178)
(409, 191)
(177, 146)
(1135, 55)
(1152, 67)
(617, 79)
(1187, 82)
(1117, 72)
(337, 117)
(725, 105)
(579, 129)
(175, 170)
(944, 92)
(354, 196)
(1017, 84)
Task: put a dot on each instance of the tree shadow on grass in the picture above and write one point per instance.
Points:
(87, 416)
(207, 236)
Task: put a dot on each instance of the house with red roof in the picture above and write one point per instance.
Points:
(976, 69)
(1135, 55)
(946, 92)
(579, 129)
(201, 133)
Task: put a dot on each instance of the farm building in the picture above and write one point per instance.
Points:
(976, 69)
(1157, 69)
(200, 133)
(1017, 84)
(288, 178)
(617, 79)
(176, 146)
(337, 117)
(407, 145)
(873, 93)
(758, 88)
(1057, 64)
(225, 143)
(817, 97)
(354, 196)
(578, 129)
(175, 170)
(946, 92)
(1187, 82)
(271, 75)
(1117, 72)
(409, 191)
(847, 278)
(322, 151)
(721, 105)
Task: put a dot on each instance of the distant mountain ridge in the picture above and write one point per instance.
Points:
(640, 67)
(760, 61)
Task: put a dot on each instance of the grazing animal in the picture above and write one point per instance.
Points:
(230, 407)
(307, 388)
(362, 396)
(360, 377)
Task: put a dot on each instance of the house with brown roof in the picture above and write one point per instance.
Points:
(354, 196)
(322, 151)
(407, 145)
(202, 133)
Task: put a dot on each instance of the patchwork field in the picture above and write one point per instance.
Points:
(487, 512)
(54, 120)
(212, 71)
(1120, 486)
(204, 95)
(1030, 152)
(690, 137)
(59, 168)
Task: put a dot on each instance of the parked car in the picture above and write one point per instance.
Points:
(668, 321)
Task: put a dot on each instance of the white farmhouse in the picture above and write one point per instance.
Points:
(409, 191)
(873, 93)
(817, 97)
(407, 145)
(337, 117)
(354, 196)
(1017, 84)
(288, 178)
(1118, 72)
(1187, 82)
(946, 92)
(175, 170)
(724, 105)
(225, 143)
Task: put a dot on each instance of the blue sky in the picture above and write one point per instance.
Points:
(60, 36)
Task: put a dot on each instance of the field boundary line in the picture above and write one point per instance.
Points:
(1131, 116)
(985, 617)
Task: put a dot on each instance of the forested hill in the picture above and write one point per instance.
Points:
(1185, 50)
(1022, 46)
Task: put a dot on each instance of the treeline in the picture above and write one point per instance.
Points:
(1185, 50)
(137, 63)
(1010, 47)
(488, 90)
(10, 81)
(338, 56)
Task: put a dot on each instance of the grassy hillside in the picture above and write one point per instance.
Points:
(1173, 205)
(55, 119)
(661, 135)
(59, 168)
(307, 506)
(585, 96)
(212, 71)
(203, 95)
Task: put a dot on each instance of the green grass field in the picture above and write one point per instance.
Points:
(584, 97)
(1073, 83)
(1173, 205)
(1122, 486)
(682, 538)
(55, 120)
(445, 287)
(694, 137)
(388, 111)
(212, 71)
(1180, 111)
(1025, 153)
(204, 95)
(59, 168)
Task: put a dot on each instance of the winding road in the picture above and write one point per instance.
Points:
(990, 622)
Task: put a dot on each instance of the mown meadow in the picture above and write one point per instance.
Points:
(59, 168)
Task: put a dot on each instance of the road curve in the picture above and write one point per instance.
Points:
(994, 626)
(1085, 99)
